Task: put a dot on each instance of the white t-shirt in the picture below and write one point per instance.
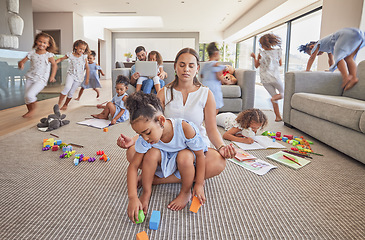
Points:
(193, 110)
(76, 66)
(40, 67)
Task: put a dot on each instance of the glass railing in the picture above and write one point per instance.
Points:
(12, 79)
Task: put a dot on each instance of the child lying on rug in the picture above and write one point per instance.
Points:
(243, 127)
(165, 147)
(116, 107)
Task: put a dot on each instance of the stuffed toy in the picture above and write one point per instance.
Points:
(53, 121)
(227, 77)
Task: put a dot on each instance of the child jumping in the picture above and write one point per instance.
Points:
(115, 108)
(269, 61)
(156, 81)
(75, 72)
(211, 73)
(41, 60)
(164, 147)
(342, 48)
(243, 127)
(94, 81)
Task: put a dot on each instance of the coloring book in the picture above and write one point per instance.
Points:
(257, 166)
(95, 122)
(289, 160)
(261, 142)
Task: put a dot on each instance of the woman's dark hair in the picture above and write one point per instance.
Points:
(140, 104)
(121, 79)
(306, 47)
(174, 83)
(212, 48)
(269, 40)
(245, 118)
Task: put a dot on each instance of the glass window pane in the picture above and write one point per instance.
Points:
(245, 48)
(303, 30)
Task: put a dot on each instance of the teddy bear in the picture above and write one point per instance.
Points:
(227, 77)
(53, 121)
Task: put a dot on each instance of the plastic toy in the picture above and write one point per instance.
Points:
(278, 134)
(195, 205)
(55, 148)
(105, 129)
(48, 142)
(155, 220)
(76, 161)
(46, 148)
(57, 142)
(142, 236)
(105, 158)
(99, 152)
(67, 148)
(141, 216)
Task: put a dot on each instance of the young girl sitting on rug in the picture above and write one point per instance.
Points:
(116, 107)
(243, 127)
(171, 146)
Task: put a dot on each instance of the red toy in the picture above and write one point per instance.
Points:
(55, 148)
(99, 152)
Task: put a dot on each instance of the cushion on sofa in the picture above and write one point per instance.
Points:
(231, 91)
(362, 123)
(337, 109)
(358, 91)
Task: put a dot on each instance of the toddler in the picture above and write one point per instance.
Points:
(75, 72)
(243, 127)
(41, 60)
(269, 61)
(165, 146)
(211, 73)
(342, 48)
(94, 81)
(115, 108)
(156, 81)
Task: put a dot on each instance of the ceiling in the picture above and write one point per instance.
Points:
(176, 15)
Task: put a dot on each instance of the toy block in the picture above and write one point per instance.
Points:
(142, 236)
(278, 134)
(310, 142)
(294, 149)
(265, 133)
(284, 139)
(141, 217)
(46, 148)
(195, 205)
(289, 136)
(105, 129)
(274, 139)
(55, 148)
(48, 143)
(76, 161)
(104, 157)
(57, 142)
(155, 220)
(67, 148)
(99, 152)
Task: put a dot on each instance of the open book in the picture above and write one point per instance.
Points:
(288, 159)
(261, 142)
(257, 166)
(95, 122)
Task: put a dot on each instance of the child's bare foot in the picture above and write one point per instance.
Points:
(145, 200)
(351, 83)
(77, 99)
(180, 201)
(278, 119)
(28, 115)
(345, 81)
(97, 94)
(64, 107)
(100, 116)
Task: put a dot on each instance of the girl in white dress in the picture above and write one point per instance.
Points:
(269, 61)
(41, 60)
(75, 72)
(171, 147)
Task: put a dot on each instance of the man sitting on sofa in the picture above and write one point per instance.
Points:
(141, 54)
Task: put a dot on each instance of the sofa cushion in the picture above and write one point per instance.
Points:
(362, 122)
(231, 91)
(358, 91)
(341, 110)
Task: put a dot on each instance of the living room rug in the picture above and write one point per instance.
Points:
(47, 197)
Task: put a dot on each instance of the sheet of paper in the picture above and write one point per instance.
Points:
(95, 122)
(258, 166)
(262, 142)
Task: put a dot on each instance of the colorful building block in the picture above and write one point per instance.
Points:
(195, 205)
(278, 134)
(142, 236)
(57, 142)
(105, 129)
(48, 142)
(55, 148)
(99, 152)
(289, 136)
(141, 217)
(155, 220)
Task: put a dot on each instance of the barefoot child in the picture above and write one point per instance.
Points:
(94, 81)
(75, 72)
(269, 61)
(243, 127)
(115, 108)
(164, 147)
(41, 60)
(341, 47)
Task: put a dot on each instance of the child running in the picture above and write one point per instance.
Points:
(269, 61)
(243, 127)
(211, 73)
(94, 81)
(156, 81)
(75, 72)
(165, 146)
(41, 60)
(342, 48)
(115, 108)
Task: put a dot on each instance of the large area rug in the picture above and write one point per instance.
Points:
(45, 197)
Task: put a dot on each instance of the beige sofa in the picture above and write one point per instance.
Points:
(314, 103)
(236, 97)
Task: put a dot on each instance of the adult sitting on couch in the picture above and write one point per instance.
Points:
(141, 54)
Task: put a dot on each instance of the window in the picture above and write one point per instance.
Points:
(244, 50)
